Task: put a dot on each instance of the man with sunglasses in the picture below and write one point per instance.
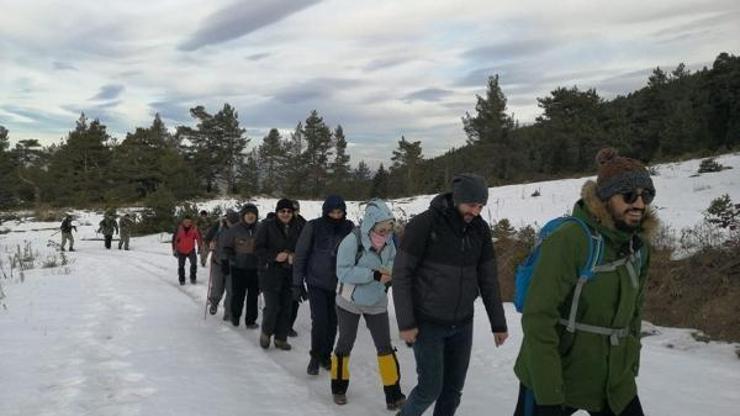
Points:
(588, 359)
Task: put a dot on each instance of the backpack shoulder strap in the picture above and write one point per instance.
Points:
(360, 248)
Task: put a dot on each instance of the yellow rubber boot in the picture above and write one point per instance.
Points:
(390, 376)
(339, 378)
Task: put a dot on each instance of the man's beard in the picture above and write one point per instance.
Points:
(622, 225)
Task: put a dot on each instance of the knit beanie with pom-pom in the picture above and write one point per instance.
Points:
(619, 174)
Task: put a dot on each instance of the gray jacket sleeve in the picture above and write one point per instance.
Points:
(488, 285)
(407, 260)
(302, 254)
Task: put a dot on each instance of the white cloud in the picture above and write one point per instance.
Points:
(379, 68)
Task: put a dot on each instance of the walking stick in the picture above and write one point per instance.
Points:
(208, 293)
(57, 232)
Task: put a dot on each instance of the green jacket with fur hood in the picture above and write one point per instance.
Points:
(584, 370)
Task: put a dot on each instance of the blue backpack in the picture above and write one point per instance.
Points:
(587, 272)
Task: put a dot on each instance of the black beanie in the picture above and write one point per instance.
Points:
(284, 204)
(232, 217)
(249, 207)
(333, 202)
(469, 188)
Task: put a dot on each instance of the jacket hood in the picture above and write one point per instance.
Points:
(600, 213)
(249, 207)
(333, 202)
(376, 211)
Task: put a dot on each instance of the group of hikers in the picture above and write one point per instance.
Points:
(108, 226)
(581, 291)
(581, 297)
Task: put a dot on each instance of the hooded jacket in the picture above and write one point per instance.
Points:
(185, 239)
(584, 370)
(238, 244)
(316, 250)
(442, 266)
(356, 274)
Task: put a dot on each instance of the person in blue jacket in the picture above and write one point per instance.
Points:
(364, 264)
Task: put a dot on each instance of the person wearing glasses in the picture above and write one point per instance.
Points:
(364, 263)
(589, 360)
(275, 246)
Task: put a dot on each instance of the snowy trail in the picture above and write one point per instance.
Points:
(119, 340)
(119, 336)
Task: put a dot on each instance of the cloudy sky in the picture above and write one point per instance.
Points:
(381, 69)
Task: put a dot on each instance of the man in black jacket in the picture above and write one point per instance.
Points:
(239, 260)
(445, 260)
(316, 264)
(275, 247)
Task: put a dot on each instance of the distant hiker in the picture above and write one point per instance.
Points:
(125, 224)
(276, 240)
(203, 223)
(445, 261)
(588, 357)
(238, 259)
(304, 294)
(316, 265)
(185, 240)
(220, 281)
(364, 264)
(108, 226)
(66, 227)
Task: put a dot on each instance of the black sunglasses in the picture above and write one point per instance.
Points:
(630, 197)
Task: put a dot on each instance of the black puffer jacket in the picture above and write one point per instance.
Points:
(274, 237)
(442, 266)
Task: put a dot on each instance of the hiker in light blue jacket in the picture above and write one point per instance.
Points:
(364, 264)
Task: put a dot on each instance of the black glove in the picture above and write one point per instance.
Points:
(299, 294)
(225, 269)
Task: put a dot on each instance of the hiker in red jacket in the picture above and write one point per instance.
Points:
(184, 243)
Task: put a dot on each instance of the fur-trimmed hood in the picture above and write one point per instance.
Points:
(648, 227)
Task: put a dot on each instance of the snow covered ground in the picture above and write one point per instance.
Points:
(112, 333)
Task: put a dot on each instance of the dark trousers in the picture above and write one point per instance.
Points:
(276, 315)
(526, 406)
(442, 356)
(294, 313)
(377, 324)
(107, 239)
(244, 282)
(323, 321)
(181, 265)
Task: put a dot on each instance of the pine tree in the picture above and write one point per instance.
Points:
(272, 157)
(406, 160)
(380, 183)
(339, 168)
(80, 166)
(296, 166)
(7, 168)
(318, 138)
(491, 124)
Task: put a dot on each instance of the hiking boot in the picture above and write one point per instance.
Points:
(65, 250)
(340, 399)
(326, 363)
(282, 345)
(182, 283)
(213, 309)
(235, 322)
(252, 326)
(227, 317)
(396, 405)
(71, 249)
(264, 341)
(292, 333)
(192, 280)
(313, 367)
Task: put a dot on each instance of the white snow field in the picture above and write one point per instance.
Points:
(112, 333)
